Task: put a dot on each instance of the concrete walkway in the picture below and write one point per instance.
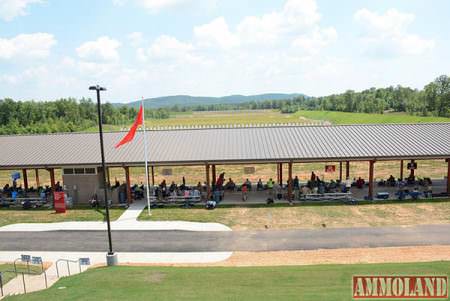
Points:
(127, 221)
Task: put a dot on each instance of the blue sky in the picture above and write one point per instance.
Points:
(52, 48)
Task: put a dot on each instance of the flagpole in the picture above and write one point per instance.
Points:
(146, 157)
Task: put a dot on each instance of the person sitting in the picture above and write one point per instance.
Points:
(220, 181)
(163, 184)
(58, 186)
(260, 185)
(360, 183)
(270, 184)
(415, 193)
(173, 186)
(199, 186)
(391, 180)
(248, 184)
(230, 185)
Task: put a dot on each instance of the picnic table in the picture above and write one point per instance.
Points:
(329, 197)
(35, 202)
(184, 201)
(383, 195)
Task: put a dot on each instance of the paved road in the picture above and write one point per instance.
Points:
(188, 241)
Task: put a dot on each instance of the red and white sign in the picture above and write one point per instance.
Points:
(330, 168)
(59, 202)
(400, 287)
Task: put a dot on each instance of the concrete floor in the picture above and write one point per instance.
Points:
(257, 197)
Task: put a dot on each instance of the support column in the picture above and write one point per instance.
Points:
(52, 179)
(370, 195)
(347, 169)
(281, 174)
(36, 172)
(401, 169)
(278, 173)
(340, 171)
(127, 178)
(108, 177)
(25, 179)
(290, 181)
(153, 176)
(208, 183)
(448, 176)
(411, 173)
(213, 170)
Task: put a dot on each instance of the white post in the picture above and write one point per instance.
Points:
(146, 158)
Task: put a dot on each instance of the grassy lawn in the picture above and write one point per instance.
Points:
(313, 216)
(7, 275)
(358, 118)
(14, 216)
(317, 282)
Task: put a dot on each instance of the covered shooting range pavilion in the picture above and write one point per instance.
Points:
(77, 154)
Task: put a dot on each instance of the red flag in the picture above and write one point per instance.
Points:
(130, 135)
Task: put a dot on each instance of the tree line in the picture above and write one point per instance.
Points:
(70, 115)
(63, 115)
(432, 100)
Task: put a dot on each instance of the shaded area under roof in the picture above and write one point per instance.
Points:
(232, 145)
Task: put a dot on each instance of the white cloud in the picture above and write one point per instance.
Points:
(35, 46)
(9, 9)
(102, 49)
(387, 34)
(119, 2)
(168, 47)
(155, 6)
(216, 33)
(313, 42)
(136, 38)
(295, 17)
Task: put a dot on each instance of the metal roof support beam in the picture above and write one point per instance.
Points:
(153, 175)
(347, 169)
(371, 165)
(281, 174)
(213, 171)
(290, 182)
(108, 176)
(36, 172)
(52, 179)
(448, 176)
(278, 172)
(401, 169)
(25, 179)
(411, 172)
(208, 184)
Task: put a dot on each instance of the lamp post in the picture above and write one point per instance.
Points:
(111, 258)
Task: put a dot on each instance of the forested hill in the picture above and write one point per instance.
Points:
(69, 114)
(187, 100)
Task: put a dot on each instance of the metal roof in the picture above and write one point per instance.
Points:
(232, 145)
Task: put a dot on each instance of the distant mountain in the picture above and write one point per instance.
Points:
(187, 100)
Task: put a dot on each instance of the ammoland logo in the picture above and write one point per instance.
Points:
(396, 287)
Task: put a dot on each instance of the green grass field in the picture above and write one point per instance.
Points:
(358, 118)
(13, 216)
(274, 116)
(316, 282)
(312, 216)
